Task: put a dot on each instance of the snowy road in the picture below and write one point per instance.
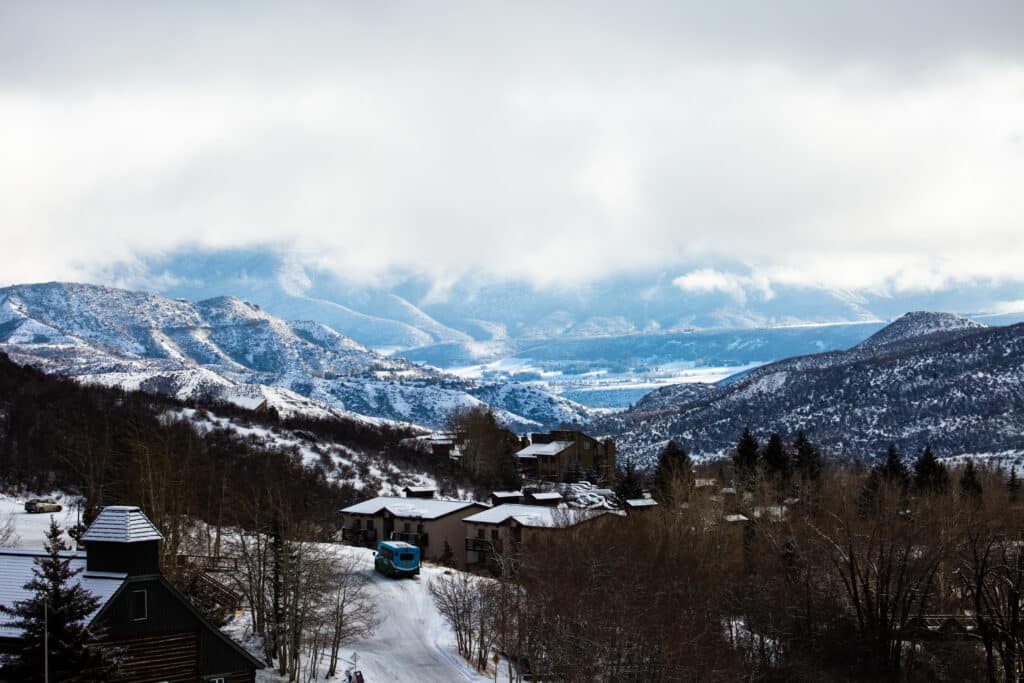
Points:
(413, 643)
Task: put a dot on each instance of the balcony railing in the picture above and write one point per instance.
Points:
(478, 545)
(360, 536)
(420, 540)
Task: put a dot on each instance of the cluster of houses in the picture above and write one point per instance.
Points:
(547, 457)
(468, 533)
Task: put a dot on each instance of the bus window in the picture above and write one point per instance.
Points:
(405, 557)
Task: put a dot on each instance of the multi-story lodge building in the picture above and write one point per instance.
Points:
(502, 529)
(435, 526)
(566, 453)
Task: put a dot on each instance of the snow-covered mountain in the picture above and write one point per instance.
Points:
(918, 324)
(232, 350)
(925, 379)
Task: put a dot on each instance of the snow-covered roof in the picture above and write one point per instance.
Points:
(420, 489)
(419, 508)
(736, 518)
(641, 502)
(531, 515)
(546, 495)
(16, 570)
(507, 494)
(122, 524)
(399, 545)
(535, 449)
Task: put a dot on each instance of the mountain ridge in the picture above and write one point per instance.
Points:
(959, 390)
(226, 346)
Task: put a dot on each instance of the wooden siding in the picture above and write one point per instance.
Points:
(173, 658)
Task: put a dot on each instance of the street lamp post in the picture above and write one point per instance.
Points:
(46, 640)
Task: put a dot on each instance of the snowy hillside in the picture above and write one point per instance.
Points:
(960, 389)
(917, 324)
(228, 349)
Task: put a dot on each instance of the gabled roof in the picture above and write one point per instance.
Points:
(535, 449)
(200, 617)
(16, 570)
(546, 495)
(415, 508)
(122, 524)
(532, 515)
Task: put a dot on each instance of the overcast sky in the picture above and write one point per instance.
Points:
(843, 144)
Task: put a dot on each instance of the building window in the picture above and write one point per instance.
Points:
(419, 528)
(405, 527)
(140, 606)
(494, 534)
(219, 679)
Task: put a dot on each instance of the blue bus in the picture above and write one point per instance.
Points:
(397, 559)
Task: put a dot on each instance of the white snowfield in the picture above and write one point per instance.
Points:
(32, 527)
(413, 644)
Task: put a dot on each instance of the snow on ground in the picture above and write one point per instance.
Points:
(413, 644)
(32, 527)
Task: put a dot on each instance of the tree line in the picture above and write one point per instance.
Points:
(789, 566)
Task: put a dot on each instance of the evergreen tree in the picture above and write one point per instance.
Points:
(630, 483)
(893, 470)
(775, 457)
(1013, 485)
(869, 493)
(673, 473)
(970, 485)
(60, 607)
(930, 475)
(745, 458)
(808, 457)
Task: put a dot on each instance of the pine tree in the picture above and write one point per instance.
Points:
(66, 605)
(930, 475)
(1013, 485)
(808, 458)
(775, 457)
(745, 458)
(630, 483)
(970, 485)
(869, 493)
(893, 470)
(674, 471)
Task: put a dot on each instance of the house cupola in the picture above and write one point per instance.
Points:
(122, 539)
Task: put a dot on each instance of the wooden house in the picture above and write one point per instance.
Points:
(435, 526)
(564, 453)
(159, 635)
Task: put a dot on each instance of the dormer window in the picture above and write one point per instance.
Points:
(139, 605)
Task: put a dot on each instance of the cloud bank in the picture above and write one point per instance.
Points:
(859, 147)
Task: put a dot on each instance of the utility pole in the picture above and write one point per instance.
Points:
(46, 639)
